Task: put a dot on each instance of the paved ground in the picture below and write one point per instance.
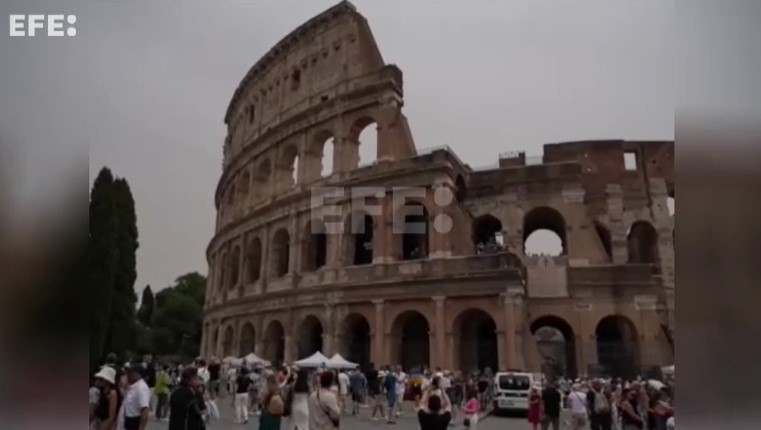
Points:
(363, 422)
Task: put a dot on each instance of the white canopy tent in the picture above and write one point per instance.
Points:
(252, 359)
(314, 360)
(232, 361)
(338, 362)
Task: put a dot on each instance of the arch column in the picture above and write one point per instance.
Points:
(329, 333)
(439, 357)
(513, 308)
(379, 334)
(502, 348)
(383, 236)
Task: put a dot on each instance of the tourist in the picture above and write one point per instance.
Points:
(186, 404)
(215, 370)
(663, 409)
(296, 413)
(577, 401)
(134, 411)
(149, 376)
(107, 406)
(324, 413)
(273, 404)
(401, 387)
(389, 386)
(599, 407)
(630, 417)
(434, 412)
(551, 401)
(374, 391)
(358, 383)
(257, 381)
(242, 383)
(472, 406)
(161, 390)
(343, 389)
(534, 408)
(203, 372)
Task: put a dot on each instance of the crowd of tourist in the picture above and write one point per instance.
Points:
(126, 397)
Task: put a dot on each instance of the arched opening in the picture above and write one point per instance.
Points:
(487, 234)
(295, 171)
(364, 131)
(234, 267)
(310, 336)
(295, 79)
(222, 278)
(671, 205)
(254, 260)
(476, 337)
(274, 342)
(410, 340)
(227, 342)
(461, 191)
(642, 242)
(316, 249)
(415, 231)
(359, 243)
(544, 232)
(356, 339)
(604, 236)
(231, 197)
(328, 147)
(556, 343)
(289, 168)
(243, 186)
(281, 247)
(261, 179)
(617, 347)
(247, 340)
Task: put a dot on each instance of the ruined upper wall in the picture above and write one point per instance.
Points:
(335, 46)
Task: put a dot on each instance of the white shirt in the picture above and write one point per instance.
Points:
(578, 402)
(444, 383)
(138, 397)
(343, 382)
(204, 374)
(401, 382)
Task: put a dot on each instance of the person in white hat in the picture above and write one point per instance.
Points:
(107, 408)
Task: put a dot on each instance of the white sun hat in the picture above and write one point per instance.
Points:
(107, 374)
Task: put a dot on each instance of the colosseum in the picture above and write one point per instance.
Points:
(416, 258)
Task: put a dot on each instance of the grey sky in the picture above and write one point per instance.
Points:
(146, 83)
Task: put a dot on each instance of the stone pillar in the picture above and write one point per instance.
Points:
(502, 348)
(266, 263)
(295, 245)
(383, 235)
(290, 349)
(440, 358)
(586, 341)
(379, 334)
(329, 334)
(513, 303)
(618, 242)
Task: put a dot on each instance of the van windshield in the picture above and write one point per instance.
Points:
(514, 382)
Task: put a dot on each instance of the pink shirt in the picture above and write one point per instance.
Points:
(471, 407)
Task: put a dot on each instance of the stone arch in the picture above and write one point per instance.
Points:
(230, 204)
(486, 233)
(412, 231)
(556, 343)
(244, 186)
(410, 340)
(227, 342)
(604, 235)
(320, 158)
(262, 178)
(359, 230)
(281, 247)
(617, 346)
(254, 260)
(274, 342)
(214, 340)
(642, 242)
(315, 249)
(355, 339)
(247, 339)
(310, 336)
(365, 135)
(288, 176)
(222, 275)
(544, 232)
(475, 336)
(461, 190)
(234, 267)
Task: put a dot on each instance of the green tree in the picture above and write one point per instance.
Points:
(145, 313)
(178, 315)
(101, 255)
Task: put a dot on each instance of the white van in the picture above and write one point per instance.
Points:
(511, 390)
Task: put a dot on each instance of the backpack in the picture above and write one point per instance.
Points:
(601, 403)
(276, 404)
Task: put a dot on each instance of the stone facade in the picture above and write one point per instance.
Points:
(285, 280)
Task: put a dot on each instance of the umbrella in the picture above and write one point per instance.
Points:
(314, 360)
(252, 359)
(338, 362)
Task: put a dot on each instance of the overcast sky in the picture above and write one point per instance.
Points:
(145, 84)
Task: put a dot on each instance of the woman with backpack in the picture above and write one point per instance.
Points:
(273, 405)
(109, 401)
(296, 413)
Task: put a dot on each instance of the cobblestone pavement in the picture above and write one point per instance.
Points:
(408, 421)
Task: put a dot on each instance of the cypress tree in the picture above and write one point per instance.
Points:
(102, 255)
(122, 331)
(145, 313)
